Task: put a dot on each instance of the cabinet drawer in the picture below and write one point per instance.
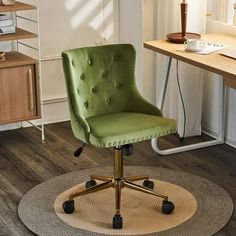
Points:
(18, 93)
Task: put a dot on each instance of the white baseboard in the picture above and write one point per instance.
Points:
(56, 110)
(213, 134)
(10, 126)
(231, 142)
(209, 132)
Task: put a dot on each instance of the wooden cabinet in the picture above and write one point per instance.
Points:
(19, 78)
(19, 91)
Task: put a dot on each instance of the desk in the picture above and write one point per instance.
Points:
(214, 62)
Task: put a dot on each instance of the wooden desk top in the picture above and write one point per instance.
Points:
(213, 62)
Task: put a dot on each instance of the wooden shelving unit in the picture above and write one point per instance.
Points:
(18, 6)
(19, 34)
(20, 82)
(15, 58)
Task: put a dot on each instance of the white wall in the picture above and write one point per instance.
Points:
(72, 23)
(67, 24)
(149, 57)
(130, 30)
(211, 98)
(138, 24)
(168, 20)
(210, 87)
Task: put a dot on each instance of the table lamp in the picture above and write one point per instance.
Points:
(181, 37)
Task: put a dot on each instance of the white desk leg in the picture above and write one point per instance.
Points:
(222, 120)
(163, 86)
(223, 91)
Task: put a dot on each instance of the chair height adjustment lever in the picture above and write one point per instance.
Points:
(79, 150)
(128, 149)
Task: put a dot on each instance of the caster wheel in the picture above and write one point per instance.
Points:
(167, 207)
(69, 206)
(148, 184)
(90, 183)
(117, 222)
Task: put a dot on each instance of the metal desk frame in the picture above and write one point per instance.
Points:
(202, 61)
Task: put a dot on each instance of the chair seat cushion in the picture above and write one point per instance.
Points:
(109, 130)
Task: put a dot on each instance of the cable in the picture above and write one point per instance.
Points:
(182, 100)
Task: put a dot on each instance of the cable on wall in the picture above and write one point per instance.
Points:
(182, 100)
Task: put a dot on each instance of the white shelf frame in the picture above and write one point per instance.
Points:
(39, 58)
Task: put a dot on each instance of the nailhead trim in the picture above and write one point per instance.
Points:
(134, 139)
(118, 85)
(104, 74)
(108, 100)
(86, 104)
(90, 61)
(116, 58)
(82, 77)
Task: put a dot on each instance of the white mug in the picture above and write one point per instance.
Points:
(193, 44)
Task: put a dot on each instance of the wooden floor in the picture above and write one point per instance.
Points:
(25, 162)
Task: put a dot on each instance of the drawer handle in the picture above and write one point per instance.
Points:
(31, 93)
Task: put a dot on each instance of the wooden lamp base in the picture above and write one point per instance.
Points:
(182, 36)
(179, 38)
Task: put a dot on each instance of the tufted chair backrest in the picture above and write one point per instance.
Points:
(100, 79)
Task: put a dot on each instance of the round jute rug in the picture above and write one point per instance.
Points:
(202, 207)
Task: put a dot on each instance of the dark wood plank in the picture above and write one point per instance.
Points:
(25, 162)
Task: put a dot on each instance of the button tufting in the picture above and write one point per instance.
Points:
(90, 61)
(77, 90)
(104, 73)
(115, 58)
(108, 100)
(86, 104)
(94, 90)
(82, 77)
(72, 62)
(118, 85)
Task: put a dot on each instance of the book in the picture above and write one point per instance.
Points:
(6, 22)
(207, 48)
(7, 29)
(5, 16)
(229, 53)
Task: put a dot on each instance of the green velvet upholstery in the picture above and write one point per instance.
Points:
(106, 108)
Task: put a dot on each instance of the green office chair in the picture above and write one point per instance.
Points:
(106, 111)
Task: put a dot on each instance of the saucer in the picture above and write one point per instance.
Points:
(201, 48)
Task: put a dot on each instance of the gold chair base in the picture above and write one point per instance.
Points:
(117, 182)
